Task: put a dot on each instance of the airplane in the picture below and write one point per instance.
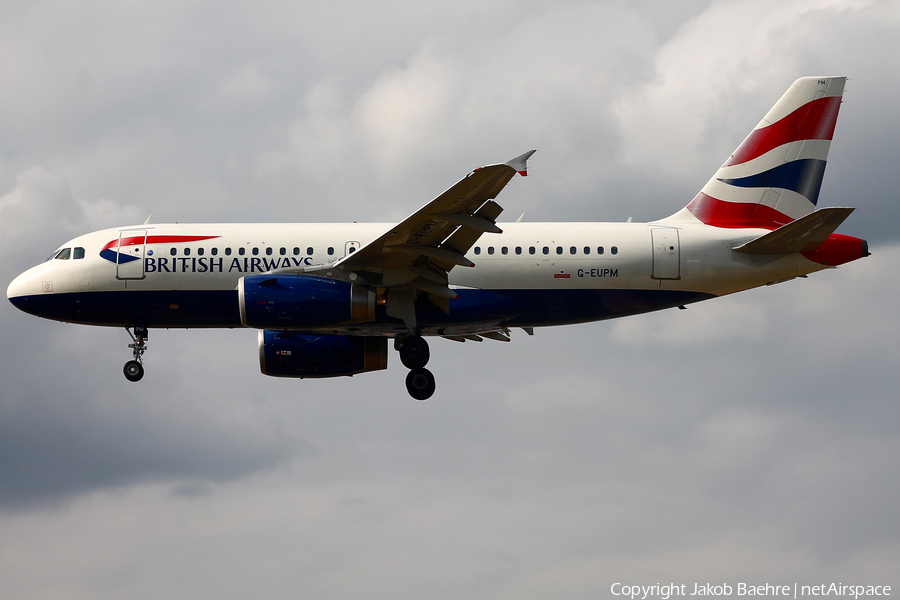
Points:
(326, 298)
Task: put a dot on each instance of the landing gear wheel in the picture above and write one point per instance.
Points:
(133, 370)
(420, 384)
(414, 353)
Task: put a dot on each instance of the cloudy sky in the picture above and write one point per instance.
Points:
(752, 438)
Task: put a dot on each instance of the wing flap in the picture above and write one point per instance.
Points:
(465, 237)
(437, 253)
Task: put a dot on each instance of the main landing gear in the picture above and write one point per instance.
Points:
(414, 355)
(133, 369)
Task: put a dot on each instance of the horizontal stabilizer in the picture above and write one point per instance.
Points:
(805, 234)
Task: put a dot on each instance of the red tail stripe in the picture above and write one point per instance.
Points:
(813, 121)
(735, 215)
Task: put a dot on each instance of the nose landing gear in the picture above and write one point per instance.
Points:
(133, 369)
(414, 355)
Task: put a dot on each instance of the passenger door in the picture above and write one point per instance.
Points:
(130, 254)
(666, 253)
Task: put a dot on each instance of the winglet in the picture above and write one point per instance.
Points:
(518, 163)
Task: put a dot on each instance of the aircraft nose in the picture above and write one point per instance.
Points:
(17, 292)
(18, 287)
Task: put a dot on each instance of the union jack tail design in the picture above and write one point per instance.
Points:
(775, 174)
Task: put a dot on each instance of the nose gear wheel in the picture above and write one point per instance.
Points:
(134, 369)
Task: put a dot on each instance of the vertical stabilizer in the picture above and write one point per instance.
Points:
(775, 174)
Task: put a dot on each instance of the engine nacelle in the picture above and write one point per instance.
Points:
(293, 355)
(286, 302)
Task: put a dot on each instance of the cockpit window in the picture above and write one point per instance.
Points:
(78, 253)
(63, 254)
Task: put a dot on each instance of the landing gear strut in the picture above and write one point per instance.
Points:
(414, 355)
(133, 369)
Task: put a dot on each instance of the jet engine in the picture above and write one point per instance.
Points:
(283, 354)
(289, 302)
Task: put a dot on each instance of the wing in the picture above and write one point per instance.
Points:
(419, 252)
(443, 230)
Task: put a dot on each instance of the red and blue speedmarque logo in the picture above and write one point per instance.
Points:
(125, 250)
(120, 258)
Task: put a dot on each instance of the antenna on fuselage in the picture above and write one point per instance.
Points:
(147, 222)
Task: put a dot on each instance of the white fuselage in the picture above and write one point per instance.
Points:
(556, 259)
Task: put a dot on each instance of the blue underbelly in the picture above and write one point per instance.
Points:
(219, 308)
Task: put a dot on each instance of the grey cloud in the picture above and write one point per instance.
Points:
(62, 434)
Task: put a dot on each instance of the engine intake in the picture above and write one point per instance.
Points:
(286, 302)
(293, 355)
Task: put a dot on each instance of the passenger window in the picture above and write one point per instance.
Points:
(614, 250)
(187, 251)
(518, 249)
(63, 254)
(573, 250)
(199, 251)
(330, 251)
(242, 250)
(269, 251)
(587, 249)
(352, 249)
(546, 250)
(173, 251)
(282, 251)
(255, 251)
(504, 250)
(296, 250)
(490, 249)
(78, 253)
(599, 249)
(309, 251)
(214, 251)
(531, 250)
(477, 250)
(228, 251)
